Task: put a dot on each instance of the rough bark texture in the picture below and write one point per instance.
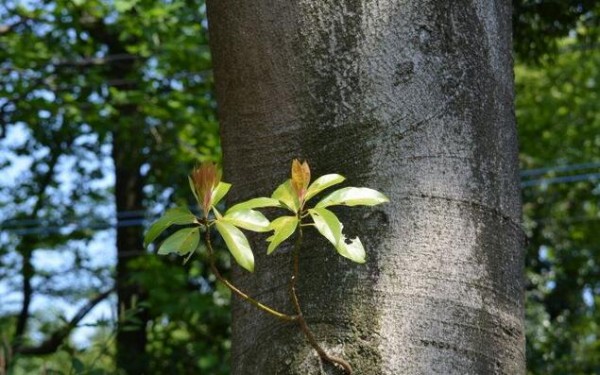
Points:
(414, 99)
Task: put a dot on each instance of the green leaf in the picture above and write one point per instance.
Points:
(219, 192)
(283, 227)
(237, 243)
(123, 6)
(177, 215)
(255, 203)
(286, 195)
(181, 242)
(353, 196)
(351, 249)
(193, 188)
(330, 227)
(327, 224)
(323, 183)
(77, 366)
(248, 219)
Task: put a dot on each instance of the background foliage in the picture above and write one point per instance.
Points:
(84, 83)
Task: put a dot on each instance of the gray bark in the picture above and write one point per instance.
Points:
(414, 99)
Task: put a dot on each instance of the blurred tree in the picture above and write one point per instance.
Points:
(557, 111)
(539, 25)
(97, 89)
(557, 105)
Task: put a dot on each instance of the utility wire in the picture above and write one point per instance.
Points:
(67, 229)
(561, 179)
(139, 217)
(559, 168)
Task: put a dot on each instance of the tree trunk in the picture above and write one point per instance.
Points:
(128, 140)
(414, 99)
(133, 315)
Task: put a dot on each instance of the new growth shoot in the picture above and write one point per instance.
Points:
(292, 197)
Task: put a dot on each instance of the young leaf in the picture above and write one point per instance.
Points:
(351, 249)
(286, 195)
(248, 219)
(255, 203)
(330, 227)
(323, 183)
(177, 215)
(353, 196)
(237, 243)
(283, 227)
(300, 178)
(181, 242)
(193, 189)
(219, 192)
(327, 224)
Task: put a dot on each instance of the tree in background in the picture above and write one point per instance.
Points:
(539, 25)
(558, 108)
(414, 100)
(100, 89)
(557, 79)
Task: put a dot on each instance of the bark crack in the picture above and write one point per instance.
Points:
(479, 206)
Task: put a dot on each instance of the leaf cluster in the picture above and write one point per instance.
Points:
(292, 197)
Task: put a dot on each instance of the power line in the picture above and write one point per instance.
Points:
(561, 179)
(559, 168)
(139, 217)
(14, 223)
(70, 228)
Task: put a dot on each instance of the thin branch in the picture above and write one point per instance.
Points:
(5, 29)
(52, 344)
(29, 241)
(234, 289)
(89, 61)
(301, 321)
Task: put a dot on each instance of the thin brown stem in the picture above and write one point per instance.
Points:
(300, 316)
(234, 289)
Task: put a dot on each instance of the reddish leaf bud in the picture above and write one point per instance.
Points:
(206, 177)
(300, 178)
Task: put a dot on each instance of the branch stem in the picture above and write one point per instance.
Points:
(300, 316)
(234, 289)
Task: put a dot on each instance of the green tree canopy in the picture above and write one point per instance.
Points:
(73, 75)
(557, 111)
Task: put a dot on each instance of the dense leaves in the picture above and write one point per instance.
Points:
(539, 25)
(557, 107)
(82, 83)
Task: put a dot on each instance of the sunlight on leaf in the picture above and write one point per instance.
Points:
(286, 195)
(181, 242)
(353, 196)
(237, 243)
(255, 203)
(330, 227)
(248, 219)
(219, 192)
(283, 227)
(327, 224)
(351, 249)
(177, 215)
(323, 183)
